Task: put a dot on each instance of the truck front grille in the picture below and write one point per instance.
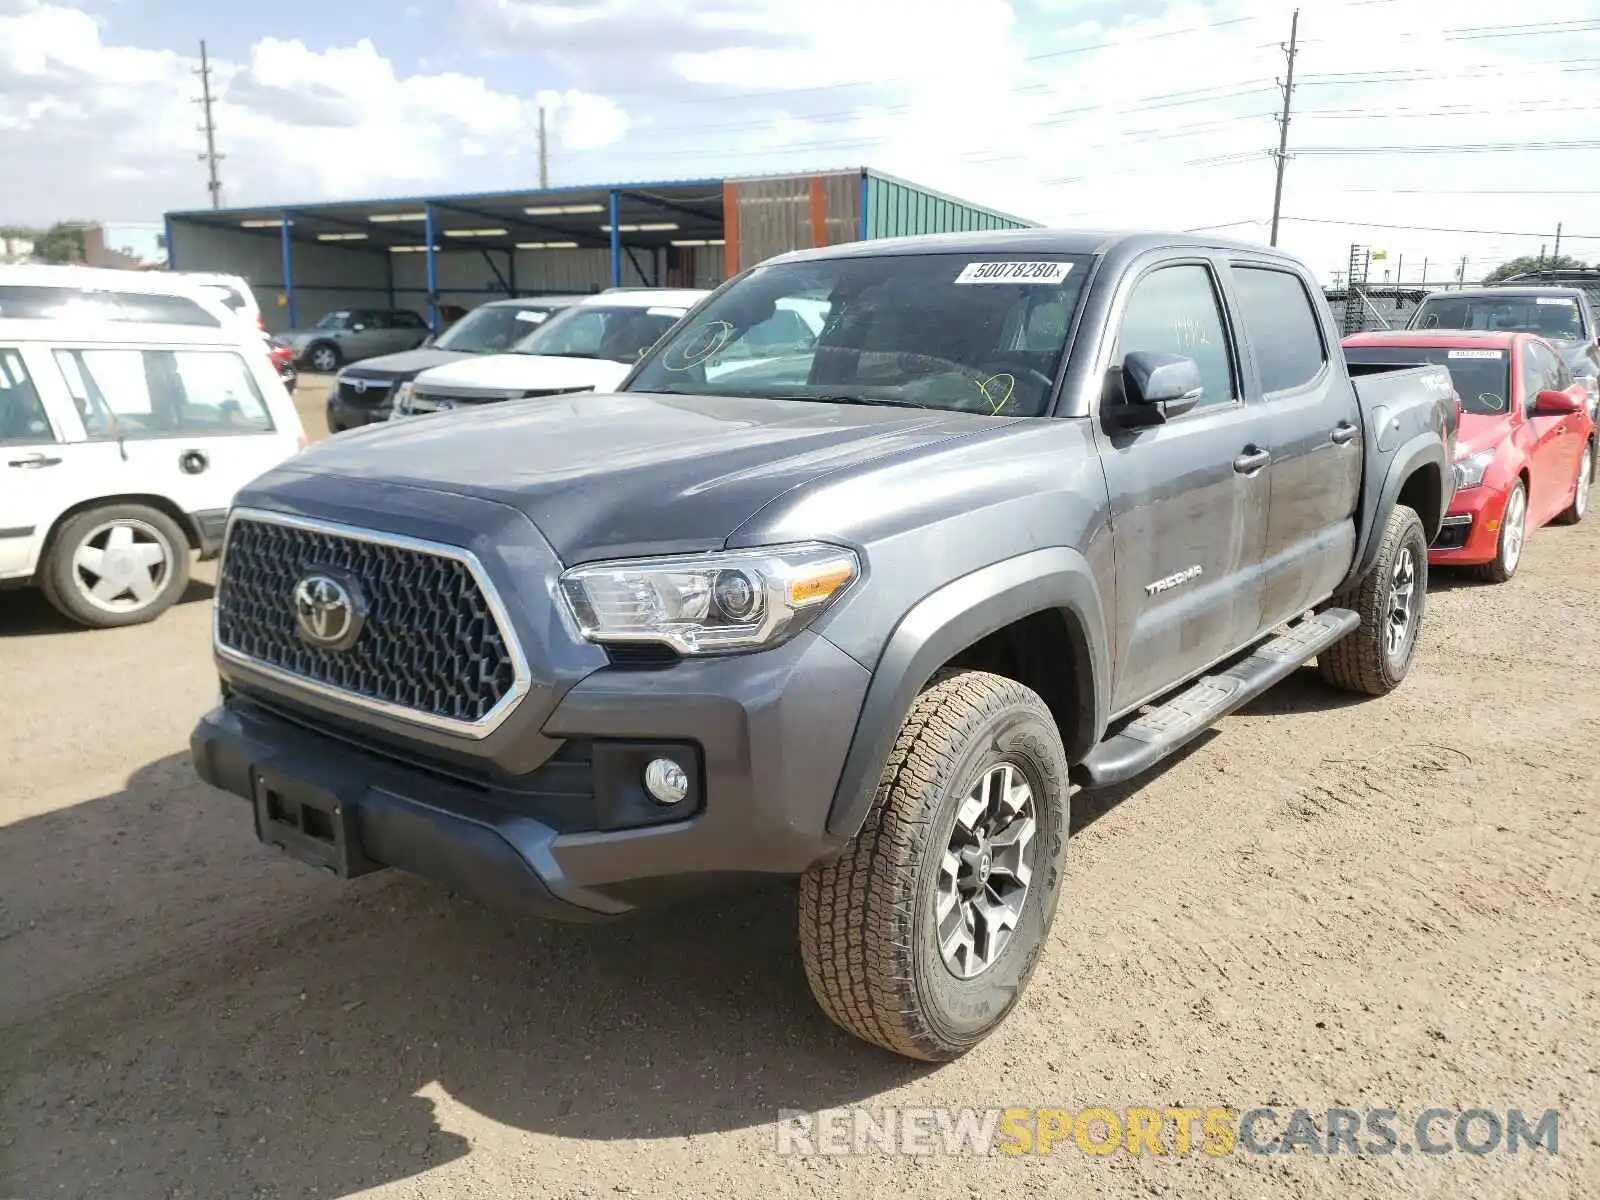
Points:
(433, 643)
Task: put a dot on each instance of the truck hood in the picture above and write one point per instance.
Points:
(614, 475)
(408, 364)
(526, 372)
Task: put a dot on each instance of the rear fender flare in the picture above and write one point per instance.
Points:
(1424, 452)
(944, 623)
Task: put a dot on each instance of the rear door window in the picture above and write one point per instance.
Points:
(1285, 334)
(163, 393)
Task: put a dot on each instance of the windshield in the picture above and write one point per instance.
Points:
(621, 333)
(1482, 378)
(1555, 317)
(334, 320)
(492, 329)
(970, 332)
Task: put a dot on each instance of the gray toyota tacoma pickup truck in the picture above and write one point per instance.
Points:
(1032, 510)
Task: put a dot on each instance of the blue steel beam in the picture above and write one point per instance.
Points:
(616, 238)
(433, 269)
(287, 247)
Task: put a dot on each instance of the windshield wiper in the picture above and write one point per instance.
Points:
(845, 398)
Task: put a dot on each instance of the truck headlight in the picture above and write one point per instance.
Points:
(1471, 470)
(719, 603)
(401, 407)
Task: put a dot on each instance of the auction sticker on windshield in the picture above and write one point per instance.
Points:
(1014, 272)
(1562, 300)
(1476, 354)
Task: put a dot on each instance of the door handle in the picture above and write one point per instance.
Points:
(1343, 432)
(32, 462)
(1252, 460)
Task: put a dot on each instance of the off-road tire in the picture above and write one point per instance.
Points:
(1499, 569)
(1361, 662)
(1579, 508)
(55, 574)
(867, 925)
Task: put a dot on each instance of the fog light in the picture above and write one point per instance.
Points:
(666, 781)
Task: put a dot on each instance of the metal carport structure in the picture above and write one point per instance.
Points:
(420, 252)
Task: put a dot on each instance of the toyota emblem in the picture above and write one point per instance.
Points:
(359, 386)
(329, 611)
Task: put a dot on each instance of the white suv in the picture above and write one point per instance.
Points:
(121, 448)
(589, 347)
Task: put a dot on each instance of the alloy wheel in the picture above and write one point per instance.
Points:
(986, 871)
(122, 565)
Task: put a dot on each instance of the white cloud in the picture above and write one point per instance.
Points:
(1070, 113)
(98, 130)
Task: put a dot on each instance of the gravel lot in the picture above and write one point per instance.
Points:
(1325, 902)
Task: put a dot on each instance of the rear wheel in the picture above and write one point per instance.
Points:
(921, 937)
(123, 564)
(1579, 507)
(1513, 535)
(1390, 601)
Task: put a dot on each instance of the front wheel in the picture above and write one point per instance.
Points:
(323, 358)
(1579, 508)
(1390, 599)
(1513, 533)
(922, 935)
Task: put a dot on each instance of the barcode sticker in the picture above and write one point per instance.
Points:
(1014, 272)
(1496, 354)
(532, 315)
(1561, 300)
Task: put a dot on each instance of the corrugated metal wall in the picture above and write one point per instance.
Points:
(896, 209)
(766, 217)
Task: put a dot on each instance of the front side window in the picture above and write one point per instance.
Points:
(1543, 372)
(1174, 310)
(1285, 334)
(334, 320)
(971, 332)
(163, 393)
(22, 415)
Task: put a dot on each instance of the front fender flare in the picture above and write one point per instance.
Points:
(946, 622)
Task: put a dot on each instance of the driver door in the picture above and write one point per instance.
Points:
(1189, 504)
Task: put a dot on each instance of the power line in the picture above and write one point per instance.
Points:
(211, 158)
(1443, 148)
(1587, 237)
(1282, 156)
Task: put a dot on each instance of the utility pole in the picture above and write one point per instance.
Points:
(1461, 274)
(1282, 156)
(544, 158)
(211, 158)
(1424, 272)
(1557, 255)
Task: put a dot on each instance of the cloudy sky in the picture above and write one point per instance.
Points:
(1464, 125)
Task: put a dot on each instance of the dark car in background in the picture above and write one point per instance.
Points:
(1562, 316)
(364, 392)
(349, 334)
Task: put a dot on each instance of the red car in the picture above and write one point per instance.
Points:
(283, 360)
(1525, 449)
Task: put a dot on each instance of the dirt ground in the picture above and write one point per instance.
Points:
(1323, 903)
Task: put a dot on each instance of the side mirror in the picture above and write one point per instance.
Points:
(1556, 404)
(1157, 387)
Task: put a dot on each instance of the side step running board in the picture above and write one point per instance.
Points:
(1151, 738)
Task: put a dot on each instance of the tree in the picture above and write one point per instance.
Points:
(1530, 264)
(61, 243)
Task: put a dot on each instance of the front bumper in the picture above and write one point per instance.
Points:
(762, 737)
(343, 415)
(1470, 533)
